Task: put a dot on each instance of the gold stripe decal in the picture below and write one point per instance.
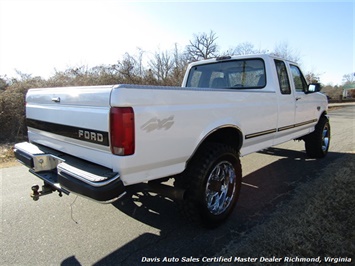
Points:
(266, 132)
(258, 134)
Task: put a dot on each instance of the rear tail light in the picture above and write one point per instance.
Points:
(122, 130)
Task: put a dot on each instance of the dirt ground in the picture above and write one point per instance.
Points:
(7, 158)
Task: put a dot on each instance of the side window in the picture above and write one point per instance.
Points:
(298, 79)
(283, 77)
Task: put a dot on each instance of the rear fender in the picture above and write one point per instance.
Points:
(228, 134)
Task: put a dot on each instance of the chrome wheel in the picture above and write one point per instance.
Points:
(220, 187)
(325, 138)
(317, 143)
(212, 183)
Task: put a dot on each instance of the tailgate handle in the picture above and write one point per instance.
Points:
(56, 99)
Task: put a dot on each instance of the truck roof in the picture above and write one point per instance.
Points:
(234, 57)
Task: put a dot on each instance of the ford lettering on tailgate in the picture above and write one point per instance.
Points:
(89, 135)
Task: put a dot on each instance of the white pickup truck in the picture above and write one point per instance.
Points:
(100, 141)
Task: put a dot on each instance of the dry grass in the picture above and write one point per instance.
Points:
(318, 221)
(7, 157)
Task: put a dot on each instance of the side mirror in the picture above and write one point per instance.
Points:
(314, 87)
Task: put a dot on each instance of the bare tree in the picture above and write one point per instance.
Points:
(180, 64)
(140, 61)
(349, 78)
(128, 67)
(202, 46)
(312, 77)
(244, 49)
(284, 50)
(3, 83)
(161, 65)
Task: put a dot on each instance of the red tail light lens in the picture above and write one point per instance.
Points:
(122, 130)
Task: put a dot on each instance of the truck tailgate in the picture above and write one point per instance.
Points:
(73, 120)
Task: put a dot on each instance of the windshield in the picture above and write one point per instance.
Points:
(236, 74)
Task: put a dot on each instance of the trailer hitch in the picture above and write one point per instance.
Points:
(50, 185)
(46, 190)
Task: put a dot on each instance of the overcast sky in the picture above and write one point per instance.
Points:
(40, 36)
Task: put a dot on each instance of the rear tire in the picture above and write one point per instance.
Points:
(212, 182)
(317, 143)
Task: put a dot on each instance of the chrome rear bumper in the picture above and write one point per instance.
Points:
(66, 173)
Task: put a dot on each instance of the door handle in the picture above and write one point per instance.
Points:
(298, 98)
(56, 99)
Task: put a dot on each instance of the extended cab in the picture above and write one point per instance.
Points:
(101, 141)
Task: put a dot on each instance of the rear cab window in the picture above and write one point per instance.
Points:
(282, 75)
(232, 74)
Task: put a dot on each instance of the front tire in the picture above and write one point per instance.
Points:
(212, 182)
(317, 143)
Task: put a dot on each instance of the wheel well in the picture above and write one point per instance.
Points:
(227, 135)
(324, 114)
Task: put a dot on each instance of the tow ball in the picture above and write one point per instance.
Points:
(46, 189)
